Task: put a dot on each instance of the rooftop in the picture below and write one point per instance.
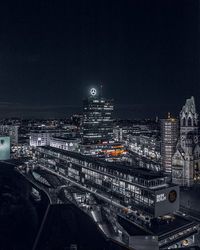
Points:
(135, 171)
(158, 227)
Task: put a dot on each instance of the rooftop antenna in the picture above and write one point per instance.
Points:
(101, 89)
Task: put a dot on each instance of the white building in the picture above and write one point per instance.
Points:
(71, 144)
(144, 145)
(118, 134)
(39, 139)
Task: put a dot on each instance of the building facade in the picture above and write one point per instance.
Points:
(42, 137)
(186, 160)
(70, 144)
(147, 146)
(97, 123)
(169, 137)
(39, 139)
(11, 131)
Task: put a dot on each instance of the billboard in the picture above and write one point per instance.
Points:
(4, 148)
(166, 200)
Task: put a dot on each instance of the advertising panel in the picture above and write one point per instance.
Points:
(166, 200)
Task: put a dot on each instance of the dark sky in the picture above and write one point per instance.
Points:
(145, 52)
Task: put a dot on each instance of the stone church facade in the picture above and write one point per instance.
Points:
(186, 160)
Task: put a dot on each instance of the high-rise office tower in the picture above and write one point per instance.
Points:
(169, 137)
(186, 160)
(97, 123)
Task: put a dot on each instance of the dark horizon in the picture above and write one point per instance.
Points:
(123, 111)
(146, 54)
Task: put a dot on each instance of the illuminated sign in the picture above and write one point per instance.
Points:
(93, 91)
(185, 242)
(172, 196)
(4, 148)
(160, 197)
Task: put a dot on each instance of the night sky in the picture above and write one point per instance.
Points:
(146, 54)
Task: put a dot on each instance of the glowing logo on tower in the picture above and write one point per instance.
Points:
(93, 91)
(172, 196)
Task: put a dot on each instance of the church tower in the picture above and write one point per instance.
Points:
(186, 160)
(188, 124)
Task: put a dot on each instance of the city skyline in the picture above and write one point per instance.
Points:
(99, 124)
(121, 111)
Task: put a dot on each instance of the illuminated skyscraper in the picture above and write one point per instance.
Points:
(169, 136)
(97, 124)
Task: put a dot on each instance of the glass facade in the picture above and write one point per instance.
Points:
(97, 124)
(133, 187)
